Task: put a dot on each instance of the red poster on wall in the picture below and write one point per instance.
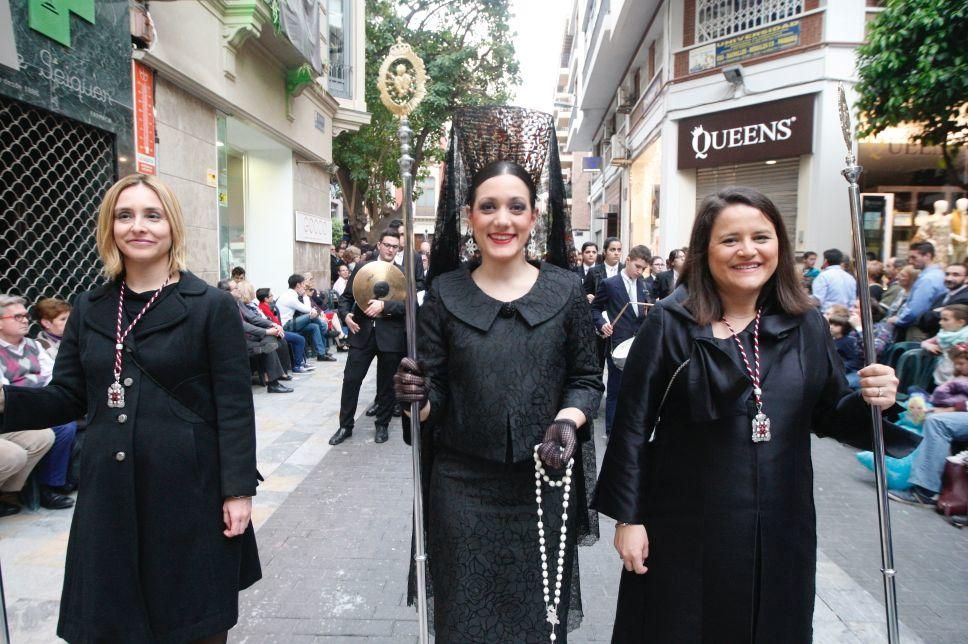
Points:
(144, 118)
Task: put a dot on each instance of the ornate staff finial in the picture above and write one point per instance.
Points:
(405, 85)
(845, 126)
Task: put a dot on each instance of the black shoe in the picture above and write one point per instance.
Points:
(397, 410)
(6, 509)
(326, 357)
(286, 378)
(341, 435)
(372, 409)
(914, 496)
(54, 501)
(67, 488)
(276, 388)
(381, 435)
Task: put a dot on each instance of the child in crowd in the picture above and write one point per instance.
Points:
(954, 331)
(847, 348)
(953, 394)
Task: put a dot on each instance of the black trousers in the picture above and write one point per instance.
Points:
(357, 364)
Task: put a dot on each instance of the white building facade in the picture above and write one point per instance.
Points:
(680, 98)
(247, 99)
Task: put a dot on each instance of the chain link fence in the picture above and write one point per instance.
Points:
(53, 174)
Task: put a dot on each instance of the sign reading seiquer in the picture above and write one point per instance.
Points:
(774, 130)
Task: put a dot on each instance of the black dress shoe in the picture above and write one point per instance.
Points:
(326, 357)
(286, 378)
(6, 509)
(54, 501)
(67, 488)
(341, 435)
(276, 388)
(381, 435)
(372, 409)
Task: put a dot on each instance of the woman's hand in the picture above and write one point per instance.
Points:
(236, 512)
(560, 440)
(878, 385)
(632, 544)
(410, 384)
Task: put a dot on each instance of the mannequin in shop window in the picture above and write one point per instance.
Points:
(936, 229)
(959, 231)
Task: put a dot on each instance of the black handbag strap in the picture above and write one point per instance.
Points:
(665, 394)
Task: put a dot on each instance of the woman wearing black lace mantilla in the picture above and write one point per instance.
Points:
(507, 364)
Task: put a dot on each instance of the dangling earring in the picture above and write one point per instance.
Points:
(471, 245)
(532, 246)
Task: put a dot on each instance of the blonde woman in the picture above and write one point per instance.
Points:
(155, 360)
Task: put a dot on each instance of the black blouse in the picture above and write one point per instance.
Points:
(500, 371)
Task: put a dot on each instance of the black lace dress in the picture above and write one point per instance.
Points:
(499, 374)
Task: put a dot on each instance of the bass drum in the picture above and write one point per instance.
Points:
(621, 352)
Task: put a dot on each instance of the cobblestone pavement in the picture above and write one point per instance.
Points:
(333, 525)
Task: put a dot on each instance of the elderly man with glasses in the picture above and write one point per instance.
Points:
(376, 331)
(23, 362)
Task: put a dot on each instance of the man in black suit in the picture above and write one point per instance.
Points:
(589, 255)
(666, 282)
(955, 278)
(377, 331)
(614, 295)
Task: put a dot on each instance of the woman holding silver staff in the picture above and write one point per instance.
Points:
(717, 528)
(509, 382)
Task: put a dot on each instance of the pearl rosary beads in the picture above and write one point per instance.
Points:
(540, 477)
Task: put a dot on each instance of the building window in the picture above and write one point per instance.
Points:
(428, 194)
(716, 19)
(340, 50)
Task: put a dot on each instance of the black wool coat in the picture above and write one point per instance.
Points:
(147, 560)
(731, 523)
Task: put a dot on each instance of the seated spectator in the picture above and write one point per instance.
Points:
(875, 283)
(300, 317)
(885, 332)
(24, 363)
(344, 275)
(261, 341)
(955, 276)
(926, 289)
(946, 422)
(351, 258)
(954, 331)
(297, 343)
(845, 340)
(52, 315)
(953, 394)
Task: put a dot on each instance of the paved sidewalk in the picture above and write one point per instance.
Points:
(333, 526)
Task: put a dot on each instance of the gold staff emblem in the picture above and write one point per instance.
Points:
(402, 79)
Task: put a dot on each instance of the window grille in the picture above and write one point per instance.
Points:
(716, 19)
(53, 175)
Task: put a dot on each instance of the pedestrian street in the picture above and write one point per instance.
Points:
(333, 526)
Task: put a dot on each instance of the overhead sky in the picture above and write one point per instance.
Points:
(539, 25)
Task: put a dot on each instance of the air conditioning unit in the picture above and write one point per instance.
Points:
(609, 129)
(626, 101)
(619, 153)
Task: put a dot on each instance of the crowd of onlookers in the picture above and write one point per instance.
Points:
(920, 314)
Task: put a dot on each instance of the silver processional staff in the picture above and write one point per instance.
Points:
(402, 81)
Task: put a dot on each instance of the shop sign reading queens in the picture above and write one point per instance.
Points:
(775, 130)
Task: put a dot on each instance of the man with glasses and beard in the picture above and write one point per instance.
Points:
(376, 331)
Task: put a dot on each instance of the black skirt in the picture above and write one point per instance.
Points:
(484, 555)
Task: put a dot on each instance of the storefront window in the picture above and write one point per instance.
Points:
(231, 202)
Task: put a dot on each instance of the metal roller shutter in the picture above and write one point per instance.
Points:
(777, 181)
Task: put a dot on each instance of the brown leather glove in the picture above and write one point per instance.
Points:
(410, 384)
(560, 441)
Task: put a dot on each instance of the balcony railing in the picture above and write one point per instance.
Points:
(340, 80)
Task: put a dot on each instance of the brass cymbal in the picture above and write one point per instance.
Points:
(379, 280)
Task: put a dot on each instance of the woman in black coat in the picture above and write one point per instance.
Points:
(161, 542)
(717, 527)
(508, 361)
